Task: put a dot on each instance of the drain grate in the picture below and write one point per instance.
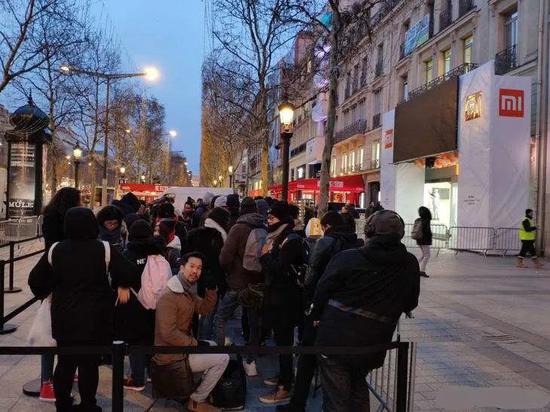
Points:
(500, 338)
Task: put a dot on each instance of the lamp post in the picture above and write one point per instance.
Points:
(215, 182)
(286, 117)
(122, 174)
(230, 171)
(77, 154)
(142, 178)
(149, 73)
(220, 178)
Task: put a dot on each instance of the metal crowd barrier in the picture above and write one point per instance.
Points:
(22, 228)
(439, 240)
(507, 240)
(475, 239)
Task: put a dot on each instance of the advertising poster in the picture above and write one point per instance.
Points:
(22, 183)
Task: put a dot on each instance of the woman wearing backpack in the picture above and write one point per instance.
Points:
(134, 323)
(423, 230)
(82, 302)
(282, 300)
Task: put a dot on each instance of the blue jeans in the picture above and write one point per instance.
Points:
(46, 367)
(226, 309)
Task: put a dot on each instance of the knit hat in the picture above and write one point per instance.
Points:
(233, 201)
(280, 210)
(221, 201)
(262, 207)
(140, 231)
(248, 205)
(207, 198)
(383, 223)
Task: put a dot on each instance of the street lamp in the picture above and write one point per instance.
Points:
(286, 117)
(77, 154)
(215, 182)
(230, 171)
(149, 73)
(142, 178)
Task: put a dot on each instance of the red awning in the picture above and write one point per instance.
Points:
(351, 183)
(143, 189)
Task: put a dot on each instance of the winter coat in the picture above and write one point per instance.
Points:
(380, 280)
(114, 237)
(283, 297)
(129, 203)
(349, 220)
(134, 323)
(52, 229)
(426, 232)
(82, 299)
(232, 253)
(209, 242)
(334, 241)
(173, 254)
(174, 318)
(198, 214)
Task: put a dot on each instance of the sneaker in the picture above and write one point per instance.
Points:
(280, 395)
(424, 274)
(130, 385)
(250, 369)
(274, 381)
(47, 393)
(205, 406)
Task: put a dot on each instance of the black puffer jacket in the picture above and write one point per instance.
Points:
(134, 323)
(334, 241)
(381, 278)
(82, 299)
(52, 229)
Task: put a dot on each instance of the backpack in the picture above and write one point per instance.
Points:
(253, 249)
(416, 232)
(156, 274)
(230, 391)
(298, 271)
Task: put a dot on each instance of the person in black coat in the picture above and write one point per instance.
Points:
(337, 237)
(283, 251)
(82, 302)
(425, 241)
(52, 231)
(359, 300)
(135, 324)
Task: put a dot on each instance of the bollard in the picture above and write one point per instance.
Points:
(4, 328)
(11, 288)
(118, 376)
(401, 385)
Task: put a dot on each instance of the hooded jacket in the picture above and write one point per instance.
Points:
(174, 318)
(334, 241)
(232, 253)
(129, 203)
(380, 280)
(134, 323)
(82, 299)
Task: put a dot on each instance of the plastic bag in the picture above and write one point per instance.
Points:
(41, 328)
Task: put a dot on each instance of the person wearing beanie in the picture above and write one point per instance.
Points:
(262, 207)
(358, 302)
(133, 323)
(221, 201)
(248, 205)
(111, 229)
(282, 253)
(233, 205)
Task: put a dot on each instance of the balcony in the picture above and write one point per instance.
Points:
(506, 60)
(376, 121)
(357, 127)
(456, 72)
(445, 19)
(402, 53)
(379, 68)
(464, 6)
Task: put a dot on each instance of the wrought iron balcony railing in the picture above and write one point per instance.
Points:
(357, 127)
(506, 60)
(457, 71)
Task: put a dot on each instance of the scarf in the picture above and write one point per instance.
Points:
(272, 237)
(190, 288)
(212, 224)
(114, 237)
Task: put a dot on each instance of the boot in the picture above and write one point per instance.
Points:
(519, 263)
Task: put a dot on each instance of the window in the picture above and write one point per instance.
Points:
(348, 85)
(355, 78)
(352, 161)
(380, 60)
(428, 70)
(468, 43)
(405, 88)
(375, 154)
(344, 163)
(361, 158)
(364, 69)
(333, 166)
(511, 29)
(301, 171)
(446, 61)
(376, 101)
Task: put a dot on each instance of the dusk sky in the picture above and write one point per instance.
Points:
(168, 34)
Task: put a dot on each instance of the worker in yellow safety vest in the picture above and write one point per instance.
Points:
(528, 235)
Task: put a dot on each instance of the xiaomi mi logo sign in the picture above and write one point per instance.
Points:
(511, 103)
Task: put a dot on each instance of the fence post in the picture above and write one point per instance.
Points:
(402, 369)
(11, 288)
(118, 376)
(4, 328)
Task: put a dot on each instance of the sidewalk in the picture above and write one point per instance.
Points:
(482, 328)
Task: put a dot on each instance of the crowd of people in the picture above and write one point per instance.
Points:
(156, 275)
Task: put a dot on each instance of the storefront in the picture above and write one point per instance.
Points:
(343, 189)
(144, 191)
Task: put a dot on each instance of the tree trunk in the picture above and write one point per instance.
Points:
(324, 181)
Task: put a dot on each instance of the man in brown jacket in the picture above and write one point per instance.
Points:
(243, 268)
(174, 318)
